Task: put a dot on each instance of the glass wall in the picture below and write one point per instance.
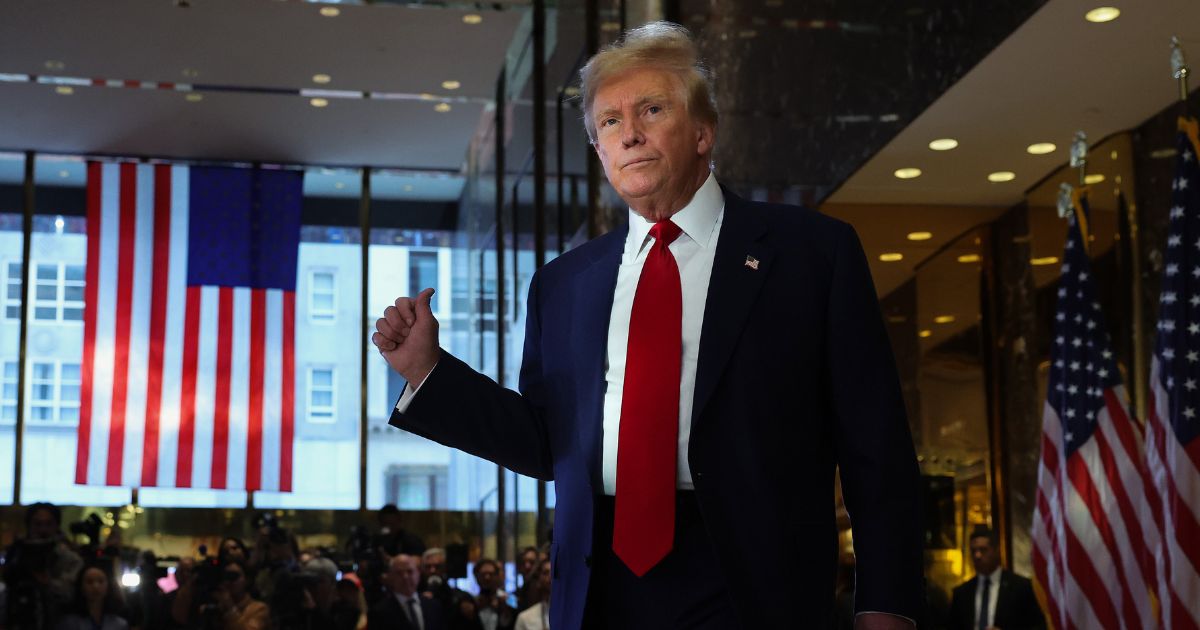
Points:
(12, 177)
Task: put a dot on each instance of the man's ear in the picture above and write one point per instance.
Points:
(705, 136)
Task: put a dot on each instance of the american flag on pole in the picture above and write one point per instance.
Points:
(188, 376)
(1173, 448)
(1093, 529)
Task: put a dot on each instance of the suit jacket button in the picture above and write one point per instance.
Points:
(587, 561)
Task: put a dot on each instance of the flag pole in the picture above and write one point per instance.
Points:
(1179, 67)
(1079, 149)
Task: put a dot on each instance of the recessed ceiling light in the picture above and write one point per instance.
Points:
(1094, 178)
(330, 11)
(442, 107)
(194, 97)
(891, 257)
(907, 173)
(65, 90)
(920, 236)
(191, 73)
(426, 96)
(54, 64)
(925, 333)
(1113, 155)
(472, 18)
(1041, 148)
(943, 319)
(339, 185)
(968, 258)
(1043, 261)
(1001, 176)
(1102, 14)
(322, 78)
(1163, 153)
(318, 102)
(451, 85)
(943, 144)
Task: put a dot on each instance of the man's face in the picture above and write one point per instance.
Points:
(487, 576)
(42, 525)
(404, 572)
(528, 563)
(651, 148)
(433, 565)
(984, 555)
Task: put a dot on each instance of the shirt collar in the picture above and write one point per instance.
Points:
(697, 219)
(994, 576)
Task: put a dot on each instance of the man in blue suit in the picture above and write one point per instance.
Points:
(690, 382)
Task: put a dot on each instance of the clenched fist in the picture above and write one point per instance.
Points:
(407, 337)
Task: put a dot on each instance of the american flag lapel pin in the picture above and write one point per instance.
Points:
(752, 263)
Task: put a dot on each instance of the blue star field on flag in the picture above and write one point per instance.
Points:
(1082, 364)
(1178, 340)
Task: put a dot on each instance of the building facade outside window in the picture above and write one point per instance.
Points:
(322, 396)
(322, 296)
(54, 393)
(12, 290)
(58, 292)
(8, 393)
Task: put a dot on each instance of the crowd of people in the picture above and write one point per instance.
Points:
(393, 582)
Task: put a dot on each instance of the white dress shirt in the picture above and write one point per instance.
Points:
(693, 250)
(993, 595)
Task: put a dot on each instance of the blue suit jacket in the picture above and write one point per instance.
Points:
(795, 377)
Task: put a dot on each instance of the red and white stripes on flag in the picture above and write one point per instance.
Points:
(182, 386)
(1094, 529)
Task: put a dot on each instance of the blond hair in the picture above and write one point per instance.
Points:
(662, 45)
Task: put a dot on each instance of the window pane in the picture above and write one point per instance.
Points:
(70, 393)
(73, 293)
(73, 314)
(322, 282)
(322, 378)
(14, 268)
(10, 367)
(68, 415)
(48, 472)
(75, 273)
(70, 371)
(322, 399)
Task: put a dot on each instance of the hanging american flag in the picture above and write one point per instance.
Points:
(1173, 448)
(189, 318)
(1093, 529)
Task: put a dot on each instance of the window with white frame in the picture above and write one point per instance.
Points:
(322, 396)
(57, 292)
(322, 296)
(416, 486)
(12, 290)
(8, 393)
(54, 392)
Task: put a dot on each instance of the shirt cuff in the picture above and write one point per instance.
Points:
(409, 393)
(877, 612)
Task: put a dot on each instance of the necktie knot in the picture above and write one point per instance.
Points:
(665, 232)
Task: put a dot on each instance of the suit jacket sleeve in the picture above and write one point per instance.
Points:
(878, 467)
(466, 410)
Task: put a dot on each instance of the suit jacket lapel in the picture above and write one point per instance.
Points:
(741, 264)
(591, 310)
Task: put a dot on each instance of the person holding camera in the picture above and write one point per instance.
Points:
(39, 571)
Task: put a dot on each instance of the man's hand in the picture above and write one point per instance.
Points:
(407, 337)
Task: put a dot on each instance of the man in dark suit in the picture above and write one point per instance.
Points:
(995, 598)
(402, 608)
(690, 382)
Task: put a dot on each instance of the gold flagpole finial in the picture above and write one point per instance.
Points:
(1179, 66)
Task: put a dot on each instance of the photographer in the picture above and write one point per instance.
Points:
(236, 609)
(39, 571)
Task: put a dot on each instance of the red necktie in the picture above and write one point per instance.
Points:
(644, 526)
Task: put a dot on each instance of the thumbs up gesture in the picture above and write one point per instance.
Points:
(407, 337)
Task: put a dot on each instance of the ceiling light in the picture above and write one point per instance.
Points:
(65, 90)
(907, 173)
(318, 102)
(472, 18)
(925, 333)
(441, 107)
(891, 256)
(64, 174)
(1043, 261)
(194, 97)
(1102, 14)
(339, 185)
(968, 258)
(943, 144)
(330, 11)
(1113, 155)
(1094, 178)
(54, 64)
(451, 85)
(1163, 153)
(1041, 148)
(426, 96)
(920, 236)
(408, 188)
(191, 73)
(322, 78)
(1001, 176)
(943, 319)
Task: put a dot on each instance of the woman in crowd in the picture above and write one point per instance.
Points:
(537, 617)
(96, 605)
(237, 609)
